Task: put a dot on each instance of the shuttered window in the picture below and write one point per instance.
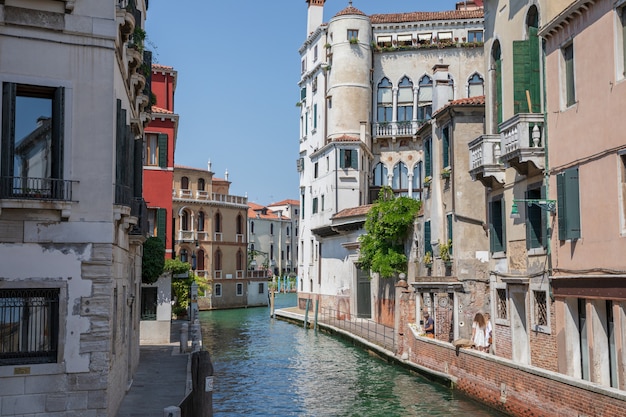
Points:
(449, 225)
(162, 150)
(498, 81)
(497, 237)
(161, 221)
(427, 158)
(427, 238)
(445, 145)
(570, 87)
(535, 222)
(526, 80)
(568, 195)
(348, 158)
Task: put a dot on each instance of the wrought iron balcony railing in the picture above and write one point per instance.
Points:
(36, 188)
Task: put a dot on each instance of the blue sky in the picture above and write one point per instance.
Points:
(238, 68)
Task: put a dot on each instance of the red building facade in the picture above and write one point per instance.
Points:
(158, 164)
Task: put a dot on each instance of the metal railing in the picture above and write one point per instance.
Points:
(28, 188)
(373, 332)
(139, 209)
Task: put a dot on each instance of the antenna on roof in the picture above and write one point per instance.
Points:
(350, 3)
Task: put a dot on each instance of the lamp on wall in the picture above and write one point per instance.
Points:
(547, 205)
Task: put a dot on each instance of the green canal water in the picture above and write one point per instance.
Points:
(268, 367)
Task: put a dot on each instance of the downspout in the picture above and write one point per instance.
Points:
(546, 171)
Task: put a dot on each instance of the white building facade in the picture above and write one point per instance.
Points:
(367, 85)
(73, 113)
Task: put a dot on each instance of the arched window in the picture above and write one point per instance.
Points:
(218, 290)
(252, 247)
(380, 175)
(239, 224)
(184, 256)
(425, 98)
(400, 181)
(217, 260)
(184, 183)
(218, 223)
(200, 260)
(201, 221)
(239, 260)
(405, 100)
(416, 183)
(201, 184)
(271, 228)
(475, 86)
(385, 101)
(184, 220)
(287, 231)
(252, 227)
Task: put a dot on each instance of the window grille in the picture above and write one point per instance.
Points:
(501, 306)
(541, 308)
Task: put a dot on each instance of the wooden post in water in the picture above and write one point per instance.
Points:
(306, 312)
(317, 304)
(272, 303)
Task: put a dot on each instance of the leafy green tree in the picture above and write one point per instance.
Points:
(388, 223)
(180, 286)
(153, 260)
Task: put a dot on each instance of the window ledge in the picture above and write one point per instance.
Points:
(65, 207)
(541, 329)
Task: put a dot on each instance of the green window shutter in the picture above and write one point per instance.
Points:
(354, 159)
(342, 158)
(427, 245)
(58, 122)
(161, 223)
(499, 90)
(521, 72)
(446, 146)
(302, 93)
(427, 159)
(534, 222)
(449, 221)
(496, 226)
(534, 67)
(162, 144)
(568, 204)
(315, 116)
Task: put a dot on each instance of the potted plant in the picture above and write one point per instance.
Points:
(445, 173)
(428, 260)
(444, 252)
(354, 41)
(427, 181)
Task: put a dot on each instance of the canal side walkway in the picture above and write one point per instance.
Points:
(370, 335)
(162, 379)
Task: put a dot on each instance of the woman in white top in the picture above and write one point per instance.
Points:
(479, 333)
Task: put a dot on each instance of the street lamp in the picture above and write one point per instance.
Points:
(547, 205)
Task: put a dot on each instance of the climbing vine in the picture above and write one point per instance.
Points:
(388, 223)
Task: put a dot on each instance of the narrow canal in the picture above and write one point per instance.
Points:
(268, 367)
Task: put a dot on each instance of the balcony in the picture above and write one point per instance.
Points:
(186, 235)
(485, 165)
(522, 143)
(394, 130)
(139, 209)
(36, 189)
(204, 196)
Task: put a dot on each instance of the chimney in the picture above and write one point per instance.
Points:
(209, 165)
(442, 91)
(315, 15)
(226, 175)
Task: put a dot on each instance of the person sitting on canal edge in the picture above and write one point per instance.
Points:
(429, 325)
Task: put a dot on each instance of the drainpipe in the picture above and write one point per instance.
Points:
(546, 173)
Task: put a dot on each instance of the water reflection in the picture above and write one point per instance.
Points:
(267, 367)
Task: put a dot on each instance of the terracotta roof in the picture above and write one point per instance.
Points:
(156, 109)
(468, 101)
(350, 10)
(284, 202)
(163, 67)
(346, 138)
(353, 212)
(424, 16)
(255, 212)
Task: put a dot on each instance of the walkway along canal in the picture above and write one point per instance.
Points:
(270, 367)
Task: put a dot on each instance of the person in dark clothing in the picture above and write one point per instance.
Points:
(429, 325)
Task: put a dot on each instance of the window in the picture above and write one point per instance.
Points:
(271, 228)
(445, 145)
(405, 40)
(314, 85)
(417, 181)
(303, 66)
(152, 149)
(540, 310)
(218, 223)
(353, 35)
(272, 252)
(184, 220)
(315, 170)
(239, 224)
(314, 205)
(261, 288)
(380, 175)
(497, 242)
(424, 38)
(157, 223)
(428, 247)
(570, 88)
(428, 157)
(568, 204)
(501, 304)
(287, 231)
(184, 256)
(149, 303)
(315, 116)
(31, 148)
(239, 289)
(622, 21)
(405, 100)
(444, 36)
(526, 72)
(475, 86)
(218, 290)
(322, 208)
(252, 227)
(496, 66)
(201, 184)
(400, 180)
(201, 221)
(383, 41)
(217, 260)
(184, 183)
(239, 260)
(29, 326)
(475, 36)
(348, 158)
(449, 227)
(315, 53)
(535, 222)
(385, 101)
(425, 98)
